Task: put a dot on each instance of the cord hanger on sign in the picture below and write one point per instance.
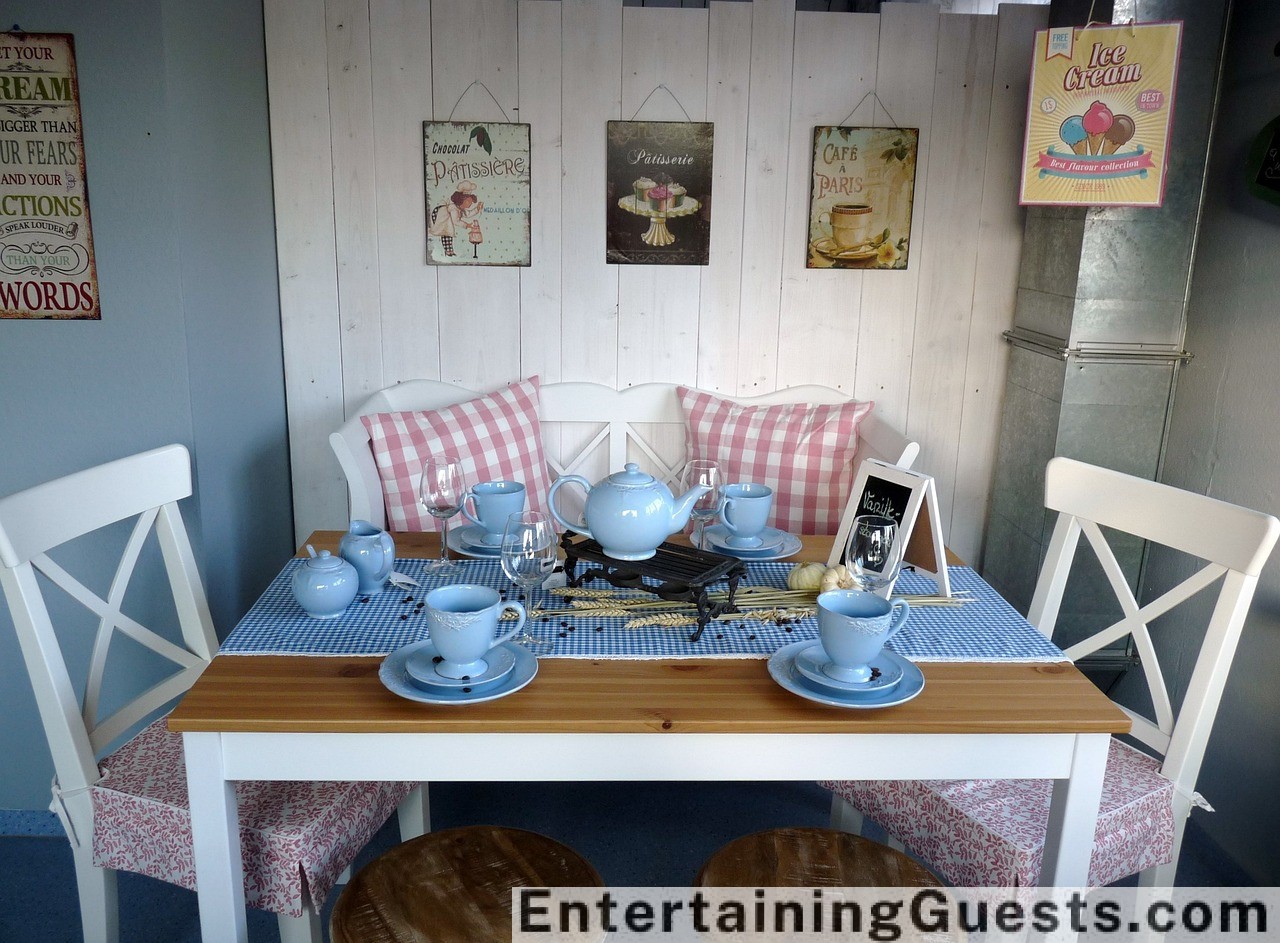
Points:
(1090, 21)
(872, 94)
(673, 98)
(491, 95)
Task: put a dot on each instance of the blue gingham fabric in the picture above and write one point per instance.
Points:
(985, 629)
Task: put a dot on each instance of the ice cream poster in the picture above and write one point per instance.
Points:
(477, 183)
(47, 267)
(658, 192)
(1099, 115)
(860, 198)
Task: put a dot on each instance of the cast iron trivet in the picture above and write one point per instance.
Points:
(683, 574)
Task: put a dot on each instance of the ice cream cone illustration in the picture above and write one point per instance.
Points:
(1118, 134)
(1096, 122)
(1072, 134)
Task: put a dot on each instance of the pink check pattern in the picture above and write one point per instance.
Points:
(991, 832)
(296, 837)
(803, 452)
(497, 436)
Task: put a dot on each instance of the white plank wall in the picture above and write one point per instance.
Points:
(948, 266)
(398, 32)
(821, 308)
(351, 82)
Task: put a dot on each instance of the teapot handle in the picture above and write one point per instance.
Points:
(551, 503)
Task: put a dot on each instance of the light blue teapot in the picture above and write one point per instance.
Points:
(629, 513)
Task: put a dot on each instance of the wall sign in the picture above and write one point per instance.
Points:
(1099, 115)
(47, 268)
(860, 198)
(911, 499)
(477, 182)
(1263, 167)
(658, 201)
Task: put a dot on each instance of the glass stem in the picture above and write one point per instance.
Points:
(444, 540)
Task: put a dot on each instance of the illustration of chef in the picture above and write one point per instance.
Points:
(461, 210)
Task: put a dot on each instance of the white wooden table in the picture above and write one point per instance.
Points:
(300, 718)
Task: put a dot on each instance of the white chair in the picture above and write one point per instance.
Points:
(990, 833)
(641, 423)
(127, 810)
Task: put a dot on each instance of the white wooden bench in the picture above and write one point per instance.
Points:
(589, 430)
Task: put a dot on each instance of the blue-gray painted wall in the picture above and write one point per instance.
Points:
(174, 108)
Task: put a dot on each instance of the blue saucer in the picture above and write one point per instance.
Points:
(469, 541)
(887, 669)
(782, 668)
(420, 667)
(395, 678)
(787, 545)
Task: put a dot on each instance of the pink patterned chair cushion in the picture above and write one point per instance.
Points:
(991, 832)
(497, 436)
(297, 837)
(803, 452)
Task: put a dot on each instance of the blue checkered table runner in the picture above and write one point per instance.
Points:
(985, 629)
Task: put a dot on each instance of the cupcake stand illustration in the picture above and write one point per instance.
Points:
(658, 202)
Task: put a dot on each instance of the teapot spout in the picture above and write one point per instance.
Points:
(682, 506)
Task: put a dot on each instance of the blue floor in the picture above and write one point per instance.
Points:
(636, 834)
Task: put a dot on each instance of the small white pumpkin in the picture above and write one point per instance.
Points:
(806, 576)
(836, 577)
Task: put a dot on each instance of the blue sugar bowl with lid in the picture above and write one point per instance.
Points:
(325, 585)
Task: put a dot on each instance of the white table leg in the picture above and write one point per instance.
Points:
(215, 835)
(1073, 815)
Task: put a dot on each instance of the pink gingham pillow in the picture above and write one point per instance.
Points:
(497, 436)
(803, 451)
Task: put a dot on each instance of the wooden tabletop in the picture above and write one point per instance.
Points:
(343, 694)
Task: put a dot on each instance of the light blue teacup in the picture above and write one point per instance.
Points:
(494, 502)
(462, 618)
(853, 626)
(745, 513)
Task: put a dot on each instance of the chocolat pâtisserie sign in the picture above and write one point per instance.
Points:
(1099, 114)
(47, 268)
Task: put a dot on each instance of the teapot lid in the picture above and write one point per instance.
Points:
(631, 476)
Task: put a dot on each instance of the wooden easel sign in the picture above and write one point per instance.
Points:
(911, 499)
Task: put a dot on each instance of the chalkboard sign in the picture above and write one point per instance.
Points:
(885, 497)
(1263, 169)
(911, 499)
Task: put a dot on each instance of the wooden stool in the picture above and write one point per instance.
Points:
(811, 857)
(452, 886)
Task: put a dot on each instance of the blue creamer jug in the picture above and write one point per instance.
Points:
(371, 551)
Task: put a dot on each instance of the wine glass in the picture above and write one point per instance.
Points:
(875, 553)
(528, 555)
(441, 492)
(702, 471)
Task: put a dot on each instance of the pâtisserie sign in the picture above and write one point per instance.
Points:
(47, 268)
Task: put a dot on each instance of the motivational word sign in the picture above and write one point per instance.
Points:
(46, 244)
(477, 182)
(1099, 115)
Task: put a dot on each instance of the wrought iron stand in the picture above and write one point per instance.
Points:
(682, 574)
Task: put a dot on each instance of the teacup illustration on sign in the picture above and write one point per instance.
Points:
(850, 224)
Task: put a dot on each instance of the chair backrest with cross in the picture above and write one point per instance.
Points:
(1234, 542)
(146, 487)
